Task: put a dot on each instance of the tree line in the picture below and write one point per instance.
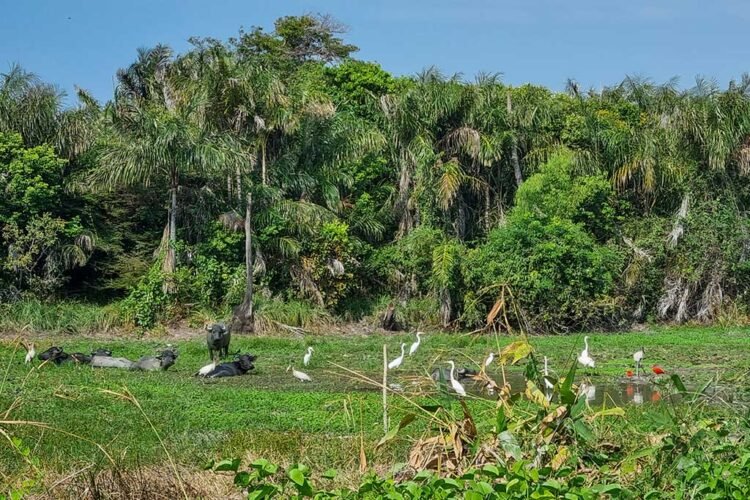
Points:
(274, 172)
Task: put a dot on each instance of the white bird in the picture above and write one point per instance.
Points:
(638, 357)
(455, 383)
(30, 352)
(547, 383)
(584, 357)
(207, 369)
(397, 362)
(306, 359)
(589, 390)
(415, 345)
(301, 376)
(638, 397)
(489, 359)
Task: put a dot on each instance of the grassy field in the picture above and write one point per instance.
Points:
(270, 414)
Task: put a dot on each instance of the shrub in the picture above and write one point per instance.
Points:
(148, 301)
(550, 253)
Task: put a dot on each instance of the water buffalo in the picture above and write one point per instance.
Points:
(217, 339)
(98, 361)
(85, 359)
(241, 366)
(54, 354)
(153, 363)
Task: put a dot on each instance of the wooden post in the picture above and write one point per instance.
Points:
(385, 389)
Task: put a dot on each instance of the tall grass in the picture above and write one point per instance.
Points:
(275, 315)
(35, 316)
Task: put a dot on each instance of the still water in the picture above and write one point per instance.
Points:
(612, 392)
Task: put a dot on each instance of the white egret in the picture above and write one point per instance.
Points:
(547, 383)
(638, 357)
(306, 359)
(489, 360)
(301, 376)
(207, 369)
(584, 357)
(397, 362)
(638, 396)
(30, 352)
(415, 345)
(455, 383)
(589, 390)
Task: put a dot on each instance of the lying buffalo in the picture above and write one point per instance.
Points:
(241, 366)
(58, 356)
(110, 362)
(217, 339)
(55, 355)
(85, 359)
(153, 363)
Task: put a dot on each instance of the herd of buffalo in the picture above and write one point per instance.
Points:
(217, 340)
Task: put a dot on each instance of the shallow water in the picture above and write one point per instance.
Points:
(599, 392)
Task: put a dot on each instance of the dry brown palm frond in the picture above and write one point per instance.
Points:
(743, 157)
(464, 140)
(712, 298)
(672, 289)
(679, 229)
(639, 252)
(232, 221)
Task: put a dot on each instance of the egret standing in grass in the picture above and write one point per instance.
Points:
(489, 360)
(207, 369)
(306, 359)
(397, 362)
(301, 376)
(455, 383)
(584, 358)
(547, 383)
(638, 357)
(30, 352)
(415, 345)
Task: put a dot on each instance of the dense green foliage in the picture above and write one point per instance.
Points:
(426, 199)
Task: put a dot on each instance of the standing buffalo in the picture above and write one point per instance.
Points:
(217, 339)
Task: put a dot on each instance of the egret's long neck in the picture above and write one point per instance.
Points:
(402, 349)
(545, 367)
(586, 343)
(453, 367)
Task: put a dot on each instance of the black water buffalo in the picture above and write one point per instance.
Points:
(217, 339)
(58, 356)
(54, 354)
(241, 366)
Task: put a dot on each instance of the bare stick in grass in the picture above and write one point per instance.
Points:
(385, 389)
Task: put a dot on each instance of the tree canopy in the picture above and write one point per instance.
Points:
(274, 170)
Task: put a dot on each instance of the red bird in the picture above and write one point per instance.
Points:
(629, 373)
(657, 370)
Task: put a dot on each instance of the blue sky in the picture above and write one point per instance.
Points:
(597, 42)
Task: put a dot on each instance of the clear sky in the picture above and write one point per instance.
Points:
(597, 42)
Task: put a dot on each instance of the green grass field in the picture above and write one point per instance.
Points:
(269, 413)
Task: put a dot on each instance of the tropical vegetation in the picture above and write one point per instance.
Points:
(275, 169)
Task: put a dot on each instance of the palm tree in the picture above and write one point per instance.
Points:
(154, 134)
(29, 106)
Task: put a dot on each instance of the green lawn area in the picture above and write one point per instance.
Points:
(269, 413)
